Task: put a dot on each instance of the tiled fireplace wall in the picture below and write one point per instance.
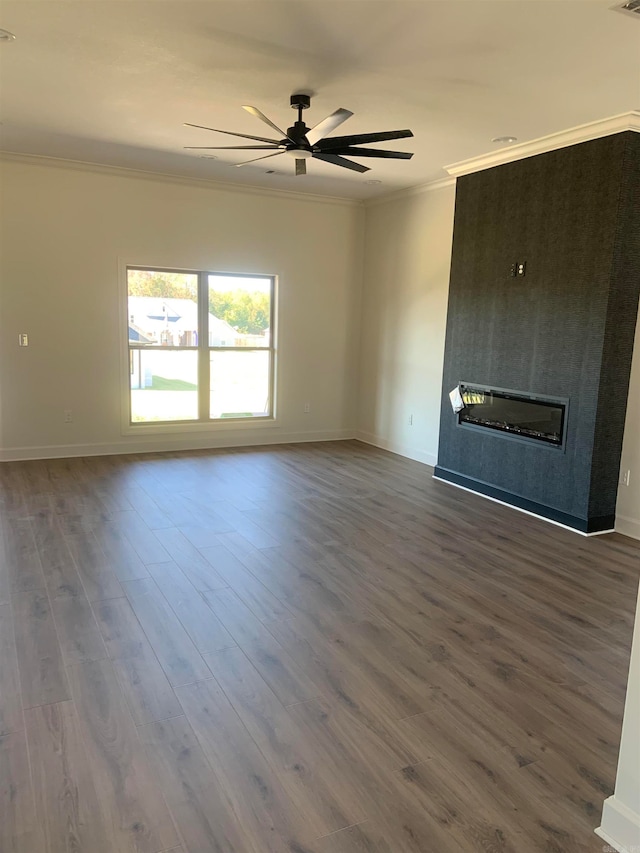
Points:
(564, 329)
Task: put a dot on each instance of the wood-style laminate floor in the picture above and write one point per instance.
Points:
(300, 649)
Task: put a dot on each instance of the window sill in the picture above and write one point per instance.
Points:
(198, 427)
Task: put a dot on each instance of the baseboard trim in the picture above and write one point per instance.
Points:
(394, 447)
(476, 488)
(628, 527)
(165, 443)
(620, 826)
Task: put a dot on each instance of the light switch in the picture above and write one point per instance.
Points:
(23, 339)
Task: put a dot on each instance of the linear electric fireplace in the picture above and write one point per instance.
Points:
(514, 414)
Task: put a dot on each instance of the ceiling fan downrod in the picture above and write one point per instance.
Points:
(298, 133)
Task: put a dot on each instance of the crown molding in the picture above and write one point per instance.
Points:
(581, 133)
(408, 192)
(551, 142)
(141, 174)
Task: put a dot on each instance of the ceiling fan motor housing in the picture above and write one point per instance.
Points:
(298, 134)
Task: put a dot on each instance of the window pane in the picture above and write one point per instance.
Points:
(164, 385)
(239, 311)
(240, 384)
(163, 308)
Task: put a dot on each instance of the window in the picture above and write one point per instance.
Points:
(201, 346)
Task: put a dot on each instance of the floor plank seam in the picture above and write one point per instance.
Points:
(343, 829)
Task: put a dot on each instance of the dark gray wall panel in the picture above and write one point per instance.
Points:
(564, 330)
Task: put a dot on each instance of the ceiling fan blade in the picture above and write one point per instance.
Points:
(372, 152)
(232, 147)
(256, 112)
(301, 167)
(343, 141)
(339, 161)
(255, 160)
(230, 133)
(320, 130)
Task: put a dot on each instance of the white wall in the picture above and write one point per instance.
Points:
(628, 507)
(64, 231)
(620, 825)
(404, 309)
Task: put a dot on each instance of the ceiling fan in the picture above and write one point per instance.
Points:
(303, 143)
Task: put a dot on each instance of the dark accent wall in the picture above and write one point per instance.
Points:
(565, 329)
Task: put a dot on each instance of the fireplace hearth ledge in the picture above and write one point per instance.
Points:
(585, 527)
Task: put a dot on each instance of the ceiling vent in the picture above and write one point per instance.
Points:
(632, 7)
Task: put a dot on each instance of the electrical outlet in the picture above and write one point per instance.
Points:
(68, 416)
(410, 420)
(307, 408)
(626, 477)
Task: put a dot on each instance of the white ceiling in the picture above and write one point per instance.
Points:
(112, 81)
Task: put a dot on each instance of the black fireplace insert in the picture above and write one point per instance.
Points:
(518, 414)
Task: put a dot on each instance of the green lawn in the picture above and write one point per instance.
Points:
(159, 383)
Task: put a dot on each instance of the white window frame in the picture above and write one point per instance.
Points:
(204, 423)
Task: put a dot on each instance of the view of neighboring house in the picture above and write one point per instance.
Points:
(174, 322)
